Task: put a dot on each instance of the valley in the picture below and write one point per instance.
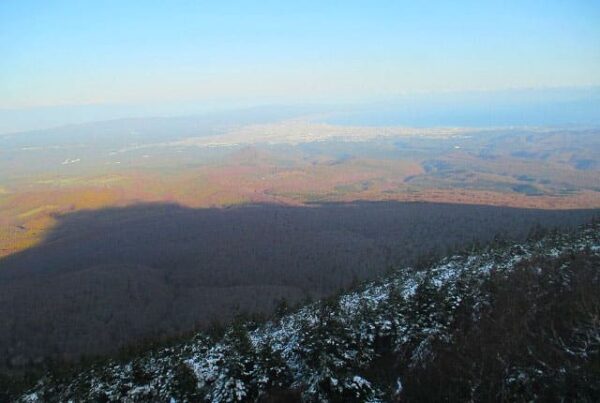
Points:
(151, 234)
(314, 163)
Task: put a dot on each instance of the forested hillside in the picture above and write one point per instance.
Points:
(104, 279)
(508, 322)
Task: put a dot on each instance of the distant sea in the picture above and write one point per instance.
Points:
(479, 109)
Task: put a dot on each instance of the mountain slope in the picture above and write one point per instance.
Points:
(512, 321)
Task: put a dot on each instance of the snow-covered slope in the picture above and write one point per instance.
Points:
(365, 345)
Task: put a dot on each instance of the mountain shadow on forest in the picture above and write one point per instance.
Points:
(103, 279)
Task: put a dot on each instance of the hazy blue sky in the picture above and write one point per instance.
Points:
(79, 52)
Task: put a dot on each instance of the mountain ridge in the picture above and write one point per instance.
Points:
(393, 338)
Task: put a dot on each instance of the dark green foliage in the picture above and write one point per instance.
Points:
(273, 368)
(424, 261)
(100, 397)
(281, 396)
(282, 308)
(216, 329)
(139, 375)
(239, 338)
(185, 384)
(536, 340)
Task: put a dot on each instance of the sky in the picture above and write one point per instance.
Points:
(56, 54)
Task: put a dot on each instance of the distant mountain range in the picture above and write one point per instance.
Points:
(562, 106)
